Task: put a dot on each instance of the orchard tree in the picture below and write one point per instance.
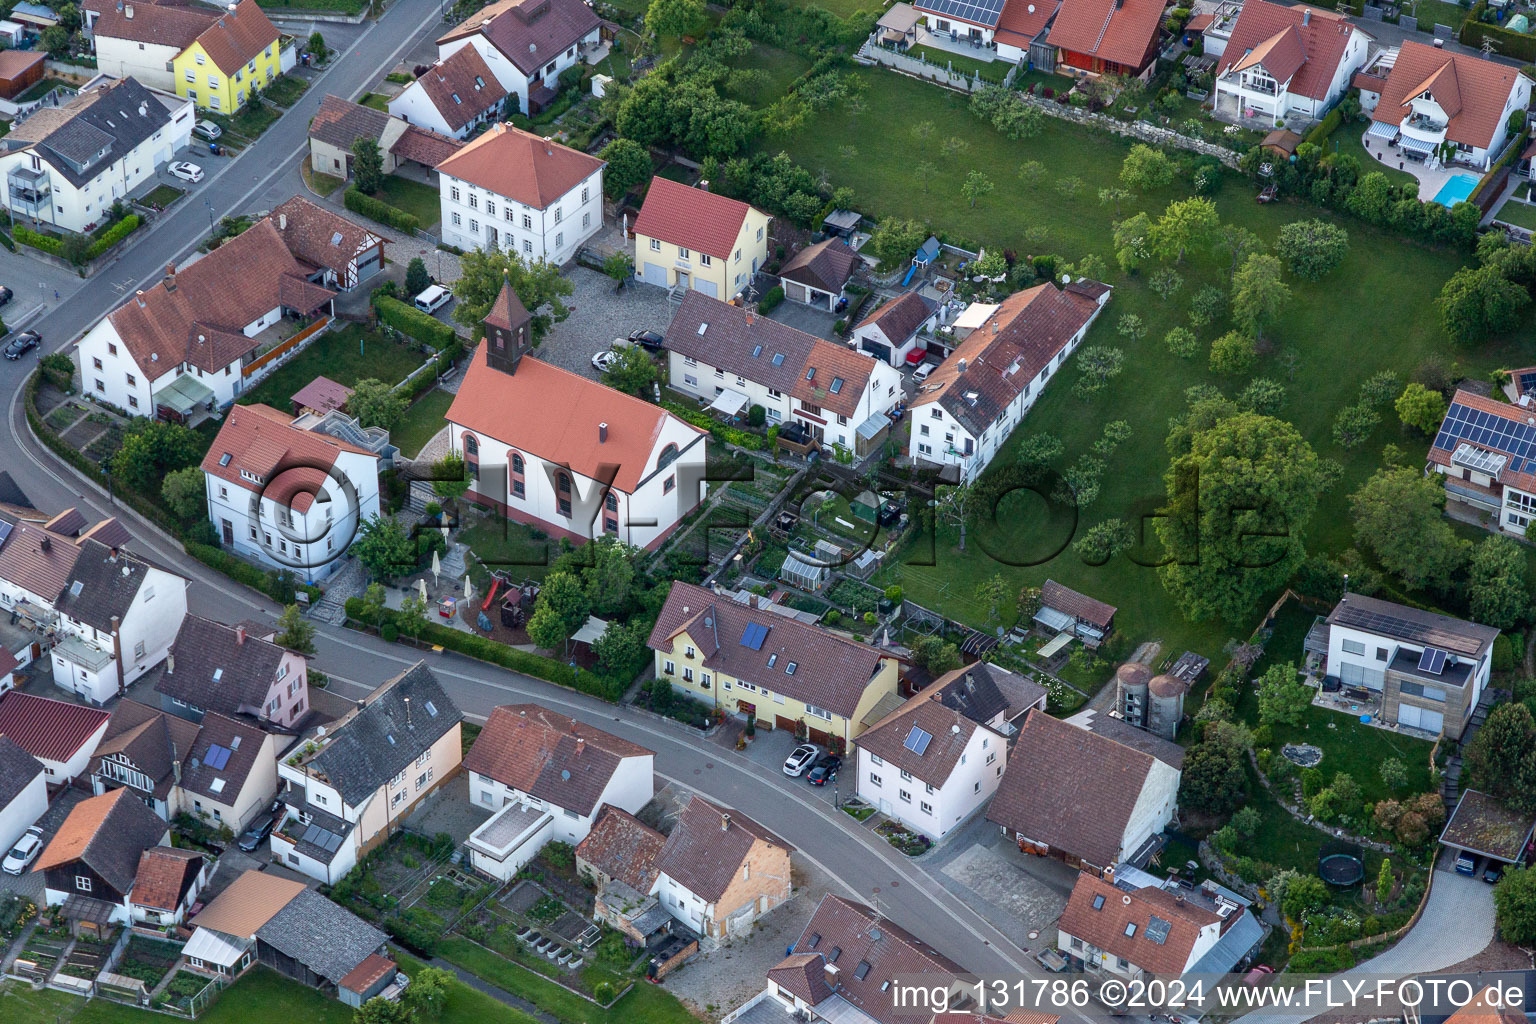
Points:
(1283, 697)
(992, 592)
(674, 18)
(1312, 249)
(1499, 586)
(1263, 396)
(379, 1010)
(1146, 169)
(1479, 302)
(376, 404)
(976, 186)
(629, 165)
(1233, 353)
(1398, 517)
(1207, 305)
(1420, 408)
(1181, 341)
(1237, 244)
(1103, 541)
(1132, 241)
(1131, 326)
(1113, 197)
(1259, 293)
(1186, 225)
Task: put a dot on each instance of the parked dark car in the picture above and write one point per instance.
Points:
(1493, 872)
(648, 339)
(258, 832)
(824, 770)
(5, 295)
(23, 343)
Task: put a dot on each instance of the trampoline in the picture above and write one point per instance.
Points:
(1340, 864)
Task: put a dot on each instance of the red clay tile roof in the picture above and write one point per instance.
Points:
(165, 874)
(1014, 1017)
(1109, 29)
(1199, 23)
(529, 33)
(1367, 82)
(108, 833)
(175, 25)
(14, 63)
(366, 974)
(1023, 20)
(623, 847)
(320, 237)
(549, 755)
(1065, 599)
(1105, 927)
(322, 394)
(1523, 479)
(1303, 42)
(708, 845)
(804, 975)
(461, 87)
(1475, 89)
(53, 730)
(1087, 820)
(826, 265)
(237, 36)
(1488, 1008)
(424, 146)
(290, 463)
(507, 310)
(521, 165)
(900, 318)
(554, 414)
(705, 222)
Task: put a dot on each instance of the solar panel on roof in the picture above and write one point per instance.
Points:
(982, 12)
(1157, 929)
(332, 841)
(917, 740)
(1527, 382)
(1487, 430)
(5, 531)
(1432, 661)
(310, 833)
(217, 757)
(754, 635)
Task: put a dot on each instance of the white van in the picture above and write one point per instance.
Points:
(433, 299)
(923, 372)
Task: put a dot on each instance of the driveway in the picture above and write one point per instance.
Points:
(1017, 893)
(598, 315)
(815, 322)
(767, 751)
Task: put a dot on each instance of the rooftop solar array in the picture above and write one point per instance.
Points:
(980, 12)
(1157, 929)
(1432, 661)
(217, 757)
(1500, 433)
(1527, 383)
(322, 838)
(754, 635)
(1413, 632)
(917, 740)
(5, 531)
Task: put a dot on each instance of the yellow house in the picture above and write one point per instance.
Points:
(230, 61)
(698, 239)
(745, 659)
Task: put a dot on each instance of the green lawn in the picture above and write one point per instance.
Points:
(421, 201)
(990, 70)
(421, 422)
(509, 546)
(1430, 12)
(378, 101)
(260, 995)
(253, 118)
(162, 196)
(780, 67)
(339, 6)
(1386, 284)
(1042, 79)
(842, 8)
(40, 89)
(286, 90)
(324, 184)
(1347, 137)
(1521, 215)
(347, 356)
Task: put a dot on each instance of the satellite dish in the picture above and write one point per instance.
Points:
(320, 731)
(1066, 278)
(1031, 8)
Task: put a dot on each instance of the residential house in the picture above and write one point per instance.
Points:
(20, 70)
(1491, 1005)
(1114, 810)
(989, 695)
(166, 886)
(66, 166)
(454, 96)
(560, 451)
(1484, 827)
(970, 405)
(694, 239)
(548, 777)
(1428, 671)
(1022, 35)
(339, 123)
(1283, 62)
(142, 40)
(512, 190)
(231, 60)
(224, 932)
(90, 864)
(1135, 925)
(23, 791)
(214, 56)
(215, 667)
(62, 735)
(191, 341)
(1064, 611)
(734, 358)
(890, 333)
(747, 660)
(1108, 37)
(1484, 452)
(222, 770)
(346, 253)
(527, 44)
(378, 762)
(1450, 106)
(818, 275)
(320, 944)
(291, 498)
(1012, 28)
(720, 872)
(619, 846)
(929, 766)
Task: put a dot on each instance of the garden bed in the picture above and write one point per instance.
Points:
(903, 838)
(148, 960)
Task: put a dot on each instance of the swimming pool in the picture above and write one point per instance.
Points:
(1455, 190)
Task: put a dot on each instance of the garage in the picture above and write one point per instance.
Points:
(780, 722)
(654, 273)
(796, 292)
(370, 263)
(706, 288)
(874, 348)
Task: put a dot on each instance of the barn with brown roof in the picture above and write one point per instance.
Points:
(620, 846)
(90, 865)
(1109, 37)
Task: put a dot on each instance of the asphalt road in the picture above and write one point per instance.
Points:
(866, 867)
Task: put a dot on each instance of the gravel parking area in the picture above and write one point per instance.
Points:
(598, 315)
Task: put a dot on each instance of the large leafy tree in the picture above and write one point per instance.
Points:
(620, 648)
(295, 632)
(1239, 501)
(562, 608)
(384, 547)
(1259, 293)
(1132, 240)
(1213, 779)
(376, 404)
(1397, 516)
(382, 1011)
(1283, 697)
(184, 492)
(1312, 248)
(629, 164)
(1236, 244)
(1188, 225)
(1420, 408)
(1501, 759)
(633, 372)
(1514, 901)
(1500, 585)
(1478, 302)
(1146, 169)
(152, 449)
(672, 18)
(539, 285)
(611, 577)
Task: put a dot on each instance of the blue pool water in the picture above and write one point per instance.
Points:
(1455, 190)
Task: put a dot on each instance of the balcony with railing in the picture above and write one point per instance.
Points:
(30, 192)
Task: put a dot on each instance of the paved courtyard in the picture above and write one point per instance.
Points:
(1017, 893)
(449, 810)
(816, 322)
(599, 315)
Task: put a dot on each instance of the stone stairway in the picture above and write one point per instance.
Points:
(1450, 780)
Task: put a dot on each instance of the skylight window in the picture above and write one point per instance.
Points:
(778, 359)
(224, 459)
(1130, 930)
(757, 350)
(789, 669)
(837, 385)
(810, 374)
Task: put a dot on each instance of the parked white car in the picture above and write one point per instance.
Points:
(187, 171)
(605, 360)
(800, 759)
(24, 852)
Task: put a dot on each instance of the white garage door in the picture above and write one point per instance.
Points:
(655, 273)
(707, 287)
(1419, 718)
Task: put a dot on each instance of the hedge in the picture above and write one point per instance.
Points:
(357, 201)
(1326, 127)
(605, 687)
(222, 561)
(48, 244)
(409, 320)
(116, 233)
(722, 432)
(771, 299)
(1505, 42)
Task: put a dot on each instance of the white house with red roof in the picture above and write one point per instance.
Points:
(527, 43)
(62, 735)
(453, 96)
(1485, 452)
(1010, 27)
(690, 238)
(513, 190)
(290, 498)
(1450, 106)
(1287, 61)
(567, 454)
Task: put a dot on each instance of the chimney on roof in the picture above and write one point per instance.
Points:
(703, 184)
(725, 822)
(1306, 16)
(239, 636)
(581, 744)
(751, 318)
(138, 295)
(829, 971)
(960, 365)
(175, 765)
(170, 664)
(602, 433)
(282, 222)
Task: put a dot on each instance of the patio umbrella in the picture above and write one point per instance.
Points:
(421, 586)
(437, 568)
(469, 588)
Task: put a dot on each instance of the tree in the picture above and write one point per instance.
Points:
(1478, 302)
(894, 242)
(1259, 293)
(316, 46)
(427, 996)
(537, 285)
(992, 592)
(1131, 326)
(450, 475)
(1188, 224)
(1239, 501)
(1311, 249)
(1113, 197)
(976, 186)
(1181, 341)
(1514, 902)
(1501, 759)
(956, 506)
(1213, 778)
(1132, 242)
(384, 547)
(620, 266)
(416, 277)
(1032, 173)
(376, 404)
(54, 40)
(674, 18)
(1237, 244)
(1233, 353)
(379, 1010)
(367, 164)
(1099, 365)
(1397, 517)
(295, 632)
(374, 603)
(1499, 586)
(1207, 305)
(1166, 283)
(1283, 698)
(629, 165)
(1104, 541)
(151, 450)
(611, 578)
(562, 609)
(184, 492)
(1420, 408)
(619, 648)
(935, 655)
(1146, 169)
(1303, 895)
(411, 616)
(633, 372)
(1263, 396)
(1394, 774)
(1354, 424)
(952, 147)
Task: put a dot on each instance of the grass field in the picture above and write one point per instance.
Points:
(421, 201)
(843, 8)
(346, 356)
(1347, 139)
(1433, 12)
(780, 68)
(1386, 284)
(260, 995)
(990, 70)
(1519, 214)
(376, 100)
(421, 422)
(510, 547)
(285, 90)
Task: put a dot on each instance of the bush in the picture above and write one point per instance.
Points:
(229, 565)
(770, 300)
(110, 237)
(357, 201)
(721, 432)
(48, 244)
(410, 321)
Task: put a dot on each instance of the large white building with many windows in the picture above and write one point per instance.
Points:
(510, 189)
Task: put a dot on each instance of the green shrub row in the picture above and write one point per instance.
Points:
(1326, 127)
(358, 201)
(52, 246)
(476, 646)
(770, 300)
(116, 233)
(1511, 151)
(722, 432)
(409, 320)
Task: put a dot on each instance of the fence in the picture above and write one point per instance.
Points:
(921, 68)
(283, 348)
